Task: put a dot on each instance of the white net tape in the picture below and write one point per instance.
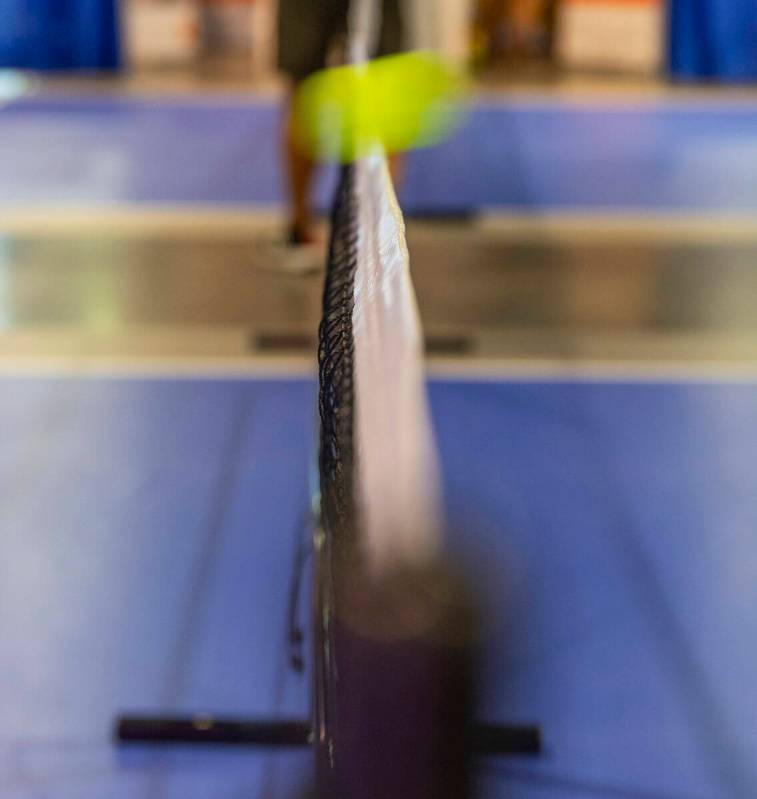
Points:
(397, 471)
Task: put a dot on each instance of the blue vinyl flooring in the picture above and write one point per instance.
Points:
(147, 532)
(521, 154)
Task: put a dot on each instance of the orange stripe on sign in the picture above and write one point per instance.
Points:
(612, 3)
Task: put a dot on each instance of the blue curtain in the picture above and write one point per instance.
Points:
(59, 34)
(713, 39)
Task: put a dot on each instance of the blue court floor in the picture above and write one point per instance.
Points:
(148, 527)
(680, 155)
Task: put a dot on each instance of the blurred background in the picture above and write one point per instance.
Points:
(149, 131)
(584, 249)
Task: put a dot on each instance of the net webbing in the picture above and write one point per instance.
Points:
(336, 369)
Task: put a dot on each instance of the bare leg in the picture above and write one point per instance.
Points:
(397, 168)
(299, 173)
(300, 170)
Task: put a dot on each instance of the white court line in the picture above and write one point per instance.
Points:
(602, 101)
(243, 220)
(592, 371)
(437, 370)
(594, 95)
(290, 368)
(585, 224)
(142, 219)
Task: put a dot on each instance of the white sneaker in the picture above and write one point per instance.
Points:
(276, 252)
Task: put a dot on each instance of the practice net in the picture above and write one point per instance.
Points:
(391, 621)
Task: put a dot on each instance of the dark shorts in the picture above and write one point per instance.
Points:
(310, 29)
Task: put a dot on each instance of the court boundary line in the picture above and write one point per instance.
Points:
(200, 219)
(589, 97)
(218, 221)
(298, 368)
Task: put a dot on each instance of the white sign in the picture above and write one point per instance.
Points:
(161, 31)
(626, 35)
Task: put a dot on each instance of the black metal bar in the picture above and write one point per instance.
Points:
(491, 739)
(487, 739)
(208, 730)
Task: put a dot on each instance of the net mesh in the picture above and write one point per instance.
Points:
(336, 365)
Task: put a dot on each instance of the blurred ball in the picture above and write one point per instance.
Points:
(399, 102)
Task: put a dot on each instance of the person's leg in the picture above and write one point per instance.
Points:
(305, 29)
(299, 169)
(392, 40)
(396, 169)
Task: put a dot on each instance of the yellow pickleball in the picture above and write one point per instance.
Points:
(400, 102)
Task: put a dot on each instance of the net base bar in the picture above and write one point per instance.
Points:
(486, 739)
(203, 730)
